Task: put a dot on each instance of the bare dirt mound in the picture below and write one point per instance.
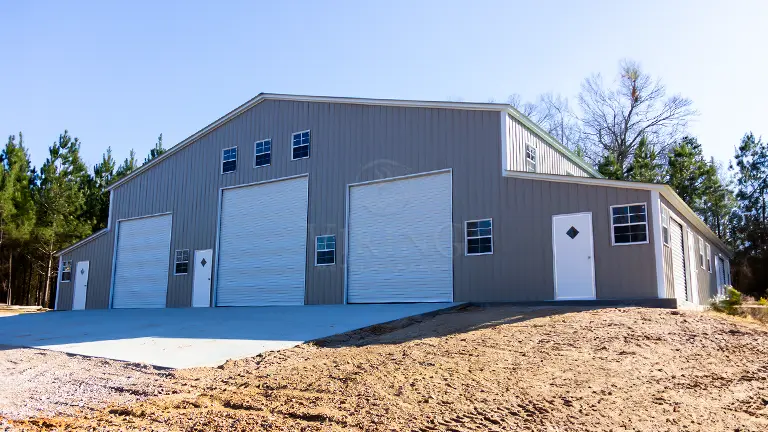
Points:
(495, 368)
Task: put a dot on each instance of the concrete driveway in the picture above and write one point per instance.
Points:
(181, 338)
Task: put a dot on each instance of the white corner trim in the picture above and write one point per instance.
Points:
(504, 144)
(58, 287)
(658, 250)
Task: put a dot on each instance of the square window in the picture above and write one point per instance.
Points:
(665, 225)
(709, 259)
(300, 145)
(701, 252)
(629, 224)
(66, 271)
(229, 160)
(530, 158)
(325, 252)
(479, 237)
(182, 262)
(262, 153)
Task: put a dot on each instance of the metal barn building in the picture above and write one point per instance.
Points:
(291, 200)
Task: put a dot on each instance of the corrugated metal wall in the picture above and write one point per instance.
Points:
(521, 267)
(549, 160)
(707, 281)
(357, 143)
(99, 252)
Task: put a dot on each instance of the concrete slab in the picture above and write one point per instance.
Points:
(182, 338)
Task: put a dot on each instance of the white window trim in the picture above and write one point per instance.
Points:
(222, 159)
(708, 258)
(466, 238)
(535, 158)
(665, 242)
(310, 144)
(701, 252)
(255, 153)
(325, 250)
(175, 255)
(61, 272)
(647, 233)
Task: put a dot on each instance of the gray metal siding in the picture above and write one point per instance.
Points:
(549, 160)
(99, 252)
(350, 143)
(521, 268)
(669, 276)
(357, 143)
(707, 281)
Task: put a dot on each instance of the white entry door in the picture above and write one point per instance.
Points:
(201, 287)
(81, 285)
(573, 254)
(693, 267)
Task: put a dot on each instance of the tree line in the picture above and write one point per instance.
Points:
(45, 210)
(629, 128)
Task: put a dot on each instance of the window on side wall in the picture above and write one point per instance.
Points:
(262, 153)
(229, 160)
(182, 262)
(629, 224)
(701, 252)
(709, 259)
(530, 158)
(300, 145)
(66, 271)
(325, 253)
(479, 237)
(665, 225)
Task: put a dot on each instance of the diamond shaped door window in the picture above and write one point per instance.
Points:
(572, 232)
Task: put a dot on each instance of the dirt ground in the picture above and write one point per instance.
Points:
(495, 368)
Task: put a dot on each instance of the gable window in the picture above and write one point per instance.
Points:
(300, 145)
(665, 225)
(629, 224)
(325, 253)
(701, 252)
(530, 158)
(709, 259)
(263, 153)
(229, 160)
(479, 235)
(182, 262)
(66, 271)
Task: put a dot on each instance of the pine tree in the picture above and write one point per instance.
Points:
(103, 175)
(687, 170)
(156, 151)
(17, 213)
(645, 166)
(129, 164)
(61, 204)
(610, 168)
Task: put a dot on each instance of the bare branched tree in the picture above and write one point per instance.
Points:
(614, 120)
(553, 113)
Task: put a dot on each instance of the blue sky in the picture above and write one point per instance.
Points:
(119, 73)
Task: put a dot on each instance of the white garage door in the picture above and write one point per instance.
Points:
(401, 241)
(678, 259)
(142, 262)
(263, 244)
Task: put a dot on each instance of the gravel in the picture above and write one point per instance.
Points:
(480, 368)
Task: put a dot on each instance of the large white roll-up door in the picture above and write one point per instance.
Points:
(678, 259)
(142, 262)
(263, 244)
(401, 241)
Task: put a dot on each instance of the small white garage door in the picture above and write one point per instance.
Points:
(263, 244)
(401, 241)
(142, 262)
(678, 259)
